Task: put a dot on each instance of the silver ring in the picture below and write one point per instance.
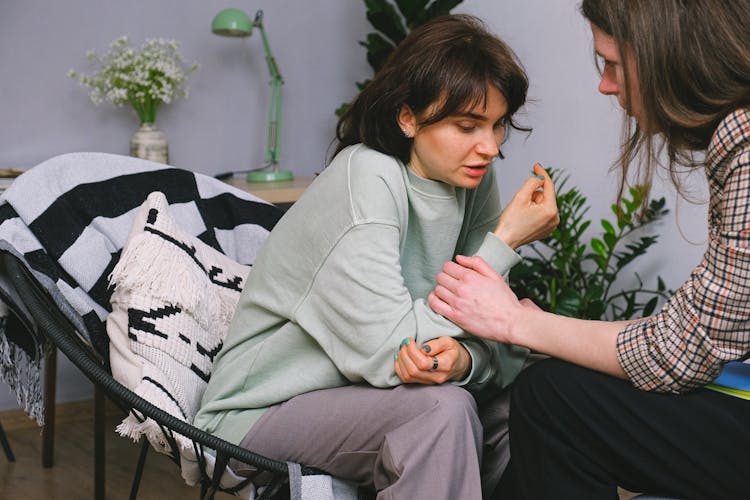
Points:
(434, 364)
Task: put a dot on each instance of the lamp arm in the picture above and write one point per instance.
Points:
(274, 123)
(274, 106)
(272, 67)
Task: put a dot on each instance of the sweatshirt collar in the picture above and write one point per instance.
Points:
(428, 186)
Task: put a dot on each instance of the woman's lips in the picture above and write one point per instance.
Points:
(476, 170)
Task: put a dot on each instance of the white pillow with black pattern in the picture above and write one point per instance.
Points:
(173, 300)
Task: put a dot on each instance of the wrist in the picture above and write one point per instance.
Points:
(507, 237)
(464, 363)
(518, 325)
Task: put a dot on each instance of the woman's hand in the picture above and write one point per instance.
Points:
(531, 214)
(471, 294)
(435, 362)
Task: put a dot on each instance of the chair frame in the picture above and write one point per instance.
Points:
(52, 326)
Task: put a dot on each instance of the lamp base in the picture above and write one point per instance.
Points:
(270, 176)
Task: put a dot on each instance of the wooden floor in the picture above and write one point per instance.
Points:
(72, 476)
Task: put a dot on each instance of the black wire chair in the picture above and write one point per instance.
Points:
(48, 322)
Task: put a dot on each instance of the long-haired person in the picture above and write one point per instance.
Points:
(307, 372)
(626, 404)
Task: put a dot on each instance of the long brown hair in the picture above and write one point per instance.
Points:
(692, 61)
(451, 60)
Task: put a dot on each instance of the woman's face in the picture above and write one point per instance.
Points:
(613, 72)
(458, 149)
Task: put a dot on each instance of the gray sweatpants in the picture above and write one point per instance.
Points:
(408, 442)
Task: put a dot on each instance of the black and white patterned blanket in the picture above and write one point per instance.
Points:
(68, 219)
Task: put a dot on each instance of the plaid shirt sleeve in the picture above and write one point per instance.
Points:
(707, 322)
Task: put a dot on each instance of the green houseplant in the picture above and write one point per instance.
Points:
(392, 22)
(567, 275)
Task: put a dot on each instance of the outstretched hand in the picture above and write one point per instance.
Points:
(475, 297)
(434, 362)
(532, 213)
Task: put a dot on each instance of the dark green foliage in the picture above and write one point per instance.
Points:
(392, 22)
(566, 275)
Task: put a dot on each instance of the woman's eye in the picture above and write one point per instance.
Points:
(466, 127)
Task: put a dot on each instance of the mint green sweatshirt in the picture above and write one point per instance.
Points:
(343, 279)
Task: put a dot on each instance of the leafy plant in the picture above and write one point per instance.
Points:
(566, 275)
(392, 22)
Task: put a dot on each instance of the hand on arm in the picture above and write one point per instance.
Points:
(415, 364)
(472, 295)
(531, 214)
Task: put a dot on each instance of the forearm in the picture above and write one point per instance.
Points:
(587, 343)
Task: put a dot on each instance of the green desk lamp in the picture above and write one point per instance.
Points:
(235, 23)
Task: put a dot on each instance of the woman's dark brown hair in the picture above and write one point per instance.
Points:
(451, 60)
(692, 64)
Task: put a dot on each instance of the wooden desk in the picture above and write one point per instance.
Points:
(278, 193)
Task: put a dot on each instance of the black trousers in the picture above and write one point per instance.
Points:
(578, 434)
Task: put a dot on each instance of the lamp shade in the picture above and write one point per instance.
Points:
(232, 22)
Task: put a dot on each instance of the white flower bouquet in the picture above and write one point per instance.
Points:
(144, 78)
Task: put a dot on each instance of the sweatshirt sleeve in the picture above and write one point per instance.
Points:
(358, 308)
(491, 362)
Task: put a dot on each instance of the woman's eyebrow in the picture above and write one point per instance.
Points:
(469, 114)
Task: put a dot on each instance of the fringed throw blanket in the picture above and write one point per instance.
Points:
(68, 219)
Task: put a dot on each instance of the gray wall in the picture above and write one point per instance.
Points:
(222, 124)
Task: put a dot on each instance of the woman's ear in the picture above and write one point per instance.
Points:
(407, 121)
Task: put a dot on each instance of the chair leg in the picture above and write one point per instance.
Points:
(6, 445)
(139, 469)
(99, 452)
(50, 382)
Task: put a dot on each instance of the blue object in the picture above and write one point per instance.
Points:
(735, 375)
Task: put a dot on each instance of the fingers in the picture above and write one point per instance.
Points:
(479, 265)
(548, 185)
(539, 170)
(529, 188)
(532, 185)
(537, 188)
(546, 195)
(450, 275)
(455, 275)
(441, 344)
(438, 304)
(414, 365)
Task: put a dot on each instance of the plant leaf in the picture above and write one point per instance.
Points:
(648, 309)
(595, 310)
(378, 49)
(384, 18)
(611, 240)
(599, 247)
(569, 304)
(608, 227)
(435, 9)
(410, 9)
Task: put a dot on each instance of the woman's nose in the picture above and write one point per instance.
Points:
(489, 144)
(608, 85)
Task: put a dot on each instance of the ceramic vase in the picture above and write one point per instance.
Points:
(150, 143)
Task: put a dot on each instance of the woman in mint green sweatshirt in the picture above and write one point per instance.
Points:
(307, 371)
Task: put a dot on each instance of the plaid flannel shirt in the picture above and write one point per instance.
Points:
(707, 322)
